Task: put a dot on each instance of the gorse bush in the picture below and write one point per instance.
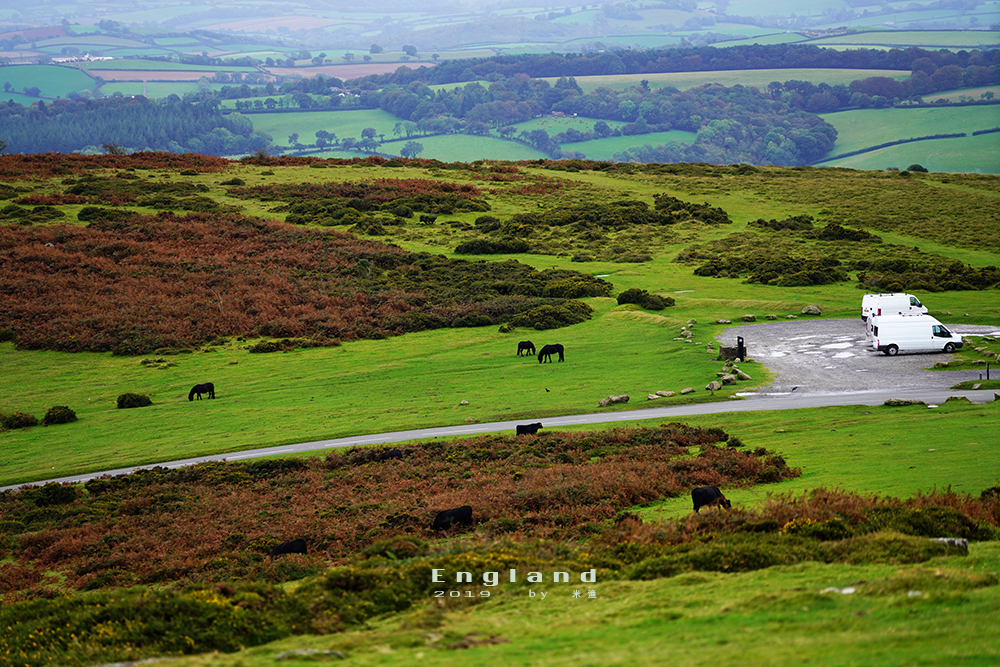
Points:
(58, 414)
(131, 400)
(15, 420)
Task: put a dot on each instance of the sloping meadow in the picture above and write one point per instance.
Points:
(173, 561)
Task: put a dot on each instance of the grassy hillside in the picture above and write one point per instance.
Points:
(174, 562)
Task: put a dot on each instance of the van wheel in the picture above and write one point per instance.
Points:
(950, 347)
(891, 351)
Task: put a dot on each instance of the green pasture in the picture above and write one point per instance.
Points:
(604, 149)
(342, 123)
(52, 80)
(961, 39)
(862, 128)
(155, 65)
(968, 93)
(754, 77)
(777, 38)
(155, 89)
(467, 148)
(783, 7)
(977, 154)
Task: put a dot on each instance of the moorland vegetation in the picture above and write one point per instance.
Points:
(173, 561)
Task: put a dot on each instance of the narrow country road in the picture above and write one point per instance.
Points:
(791, 401)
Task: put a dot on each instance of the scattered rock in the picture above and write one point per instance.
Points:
(957, 399)
(728, 379)
(742, 376)
(811, 309)
(665, 394)
(771, 317)
(723, 321)
(749, 318)
(611, 400)
(712, 386)
(791, 317)
(687, 390)
(895, 402)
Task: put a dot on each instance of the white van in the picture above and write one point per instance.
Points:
(894, 303)
(892, 334)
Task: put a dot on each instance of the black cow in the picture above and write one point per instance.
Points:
(293, 547)
(390, 454)
(707, 496)
(545, 354)
(460, 516)
(528, 429)
(525, 347)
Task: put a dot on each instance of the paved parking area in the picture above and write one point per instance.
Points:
(832, 356)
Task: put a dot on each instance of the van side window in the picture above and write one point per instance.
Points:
(915, 302)
(941, 331)
(875, 331)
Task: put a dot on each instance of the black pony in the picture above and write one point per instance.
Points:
(527, 347)
(546, 352)
(199, 389)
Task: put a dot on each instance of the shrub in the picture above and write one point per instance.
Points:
(489, 247)
(17, 420)
(130, 400)
(645, 299)
(58, 414)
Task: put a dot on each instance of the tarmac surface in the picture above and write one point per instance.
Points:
(832, 356)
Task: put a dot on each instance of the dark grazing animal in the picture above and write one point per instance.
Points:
(528, 429)
(545, 354)
(390, 454)
(294, 547)
(199, 389)
(526, 347)
(460, 516)
(707, 496)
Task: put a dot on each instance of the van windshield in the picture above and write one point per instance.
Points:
(941, 331)
(914, 301)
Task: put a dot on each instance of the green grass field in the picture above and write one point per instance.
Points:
(946, 155)
(468, 148)
(52, 80)
(342, 123)
(756, 77)
(926, 38)
(604, 149)
(869, 127)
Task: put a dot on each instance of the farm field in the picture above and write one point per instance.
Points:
(342, 123)
(605, 149)
(942, 155)
(943, 39)
(52, 81)
(862, 128)
(467, 148)
(758, 78)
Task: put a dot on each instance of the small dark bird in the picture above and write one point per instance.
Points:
(546, 389)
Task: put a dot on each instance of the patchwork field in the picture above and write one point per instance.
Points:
(758, 78)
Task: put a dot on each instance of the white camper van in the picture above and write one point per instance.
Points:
(892, 334)
(890, 304)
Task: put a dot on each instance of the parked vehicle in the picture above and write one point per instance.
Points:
(894, 303)
(892, 334)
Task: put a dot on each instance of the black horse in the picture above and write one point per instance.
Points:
(199, 389)
(527, 347)
(546, 353)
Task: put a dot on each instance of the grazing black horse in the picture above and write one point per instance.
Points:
(527, 347)
(199, 389)
(546, 353)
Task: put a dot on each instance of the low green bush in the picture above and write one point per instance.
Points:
(58, 414)
(130, 400)
(15, 420)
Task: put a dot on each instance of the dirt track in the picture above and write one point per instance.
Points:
(831, 356)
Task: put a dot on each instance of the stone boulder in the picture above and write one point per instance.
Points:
(713, 386)
(665, 394)
(687, 390)
(611, 400)
(811, 309)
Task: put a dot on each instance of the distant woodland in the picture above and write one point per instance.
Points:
(778, 125)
